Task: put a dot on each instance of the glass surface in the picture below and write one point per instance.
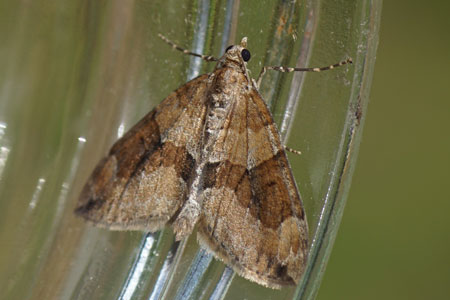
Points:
(76, 75)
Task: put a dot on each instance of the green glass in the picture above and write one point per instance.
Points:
(75, 75)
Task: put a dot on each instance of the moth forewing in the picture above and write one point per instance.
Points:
(209, 154)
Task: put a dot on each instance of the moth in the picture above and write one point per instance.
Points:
(209, 155)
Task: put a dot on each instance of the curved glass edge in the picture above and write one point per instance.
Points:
(364, 63)
(56, 255)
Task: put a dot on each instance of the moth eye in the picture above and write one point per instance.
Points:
(245, 55)
(228, 48)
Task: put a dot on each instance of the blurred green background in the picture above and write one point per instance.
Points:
(394, 239)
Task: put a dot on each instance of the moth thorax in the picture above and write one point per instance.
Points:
(215, 119)
(217, 113)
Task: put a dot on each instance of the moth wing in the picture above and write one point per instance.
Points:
(142, 182)
(253, 217)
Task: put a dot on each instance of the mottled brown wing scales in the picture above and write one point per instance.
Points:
(155, 192)
(142, 182)
(252, 215)
(209, 153)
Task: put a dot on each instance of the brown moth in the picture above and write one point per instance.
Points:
(209, 154)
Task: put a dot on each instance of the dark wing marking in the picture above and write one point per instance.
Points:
(142, 182)
(252, 215)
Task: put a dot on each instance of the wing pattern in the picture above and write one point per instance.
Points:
(252, 215)
(143, 181)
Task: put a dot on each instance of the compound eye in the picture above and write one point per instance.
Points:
(245, 55)
(228, 48)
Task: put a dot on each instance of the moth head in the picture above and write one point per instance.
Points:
(238, 53)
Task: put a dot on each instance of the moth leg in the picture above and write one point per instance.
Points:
(288, 70)
(175, 46)
(292, 150)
